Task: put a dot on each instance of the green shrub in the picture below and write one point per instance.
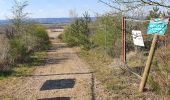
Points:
(77, 34)
(23, 46)
(99, 38)
(41, 35)
(108, 34)
(22, 39)
(18, 49)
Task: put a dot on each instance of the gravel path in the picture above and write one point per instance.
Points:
(63, 77)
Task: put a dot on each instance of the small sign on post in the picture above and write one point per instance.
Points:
(157, 27)
(137, 38)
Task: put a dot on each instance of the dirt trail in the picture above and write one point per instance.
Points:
(63, 77)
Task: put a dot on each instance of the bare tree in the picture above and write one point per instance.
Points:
(19, 15)
(73, 14)
(17, 19)
(128, 5)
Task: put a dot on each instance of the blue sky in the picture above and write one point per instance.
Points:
(54, 8)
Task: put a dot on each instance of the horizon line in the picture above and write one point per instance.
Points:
(45, 18)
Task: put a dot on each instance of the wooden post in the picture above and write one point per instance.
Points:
(148, 64)
(149, 61)
(123, 41)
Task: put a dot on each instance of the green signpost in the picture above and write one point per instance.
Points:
(156, 27)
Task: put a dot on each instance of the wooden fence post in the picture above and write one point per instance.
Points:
(123, 41)
(148, 64)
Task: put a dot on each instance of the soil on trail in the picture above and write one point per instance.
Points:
(63, 77)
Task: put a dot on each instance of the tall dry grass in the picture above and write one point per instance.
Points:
(4, 53)
(160, 77)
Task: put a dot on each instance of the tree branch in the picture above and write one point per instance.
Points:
(134, 4)
(154, 3)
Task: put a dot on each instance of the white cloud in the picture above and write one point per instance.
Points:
(51, 14)
(40, 10)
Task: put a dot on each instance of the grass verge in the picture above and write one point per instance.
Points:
(19, 70)
(120, 84)
(102, 65)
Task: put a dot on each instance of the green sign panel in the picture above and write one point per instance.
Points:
(158, 26)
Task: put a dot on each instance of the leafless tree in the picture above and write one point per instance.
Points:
(19, 15)
(128, 5)
(17, 19)
(73, 14)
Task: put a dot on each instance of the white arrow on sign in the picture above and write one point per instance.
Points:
(137, 38)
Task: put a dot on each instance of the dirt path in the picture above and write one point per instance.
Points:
(63, 77)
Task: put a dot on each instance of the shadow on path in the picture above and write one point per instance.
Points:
(58, 84)
(93, 95)
(60, 74)
(65, 83)
(56, 47)
(56, 60)
(57, 98)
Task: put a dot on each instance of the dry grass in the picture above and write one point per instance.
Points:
(121, 85)
(109, 74)
(161, 71)
(136, 59)
(4, 53)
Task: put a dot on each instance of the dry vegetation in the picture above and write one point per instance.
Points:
(4, 52)
(160, 77)
(119, 83)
